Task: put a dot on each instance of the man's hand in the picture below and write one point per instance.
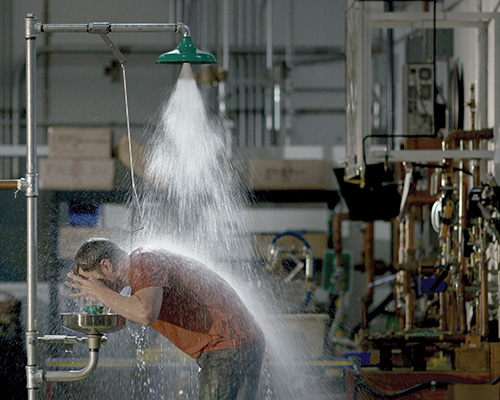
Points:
(87, 286)
(142, 307)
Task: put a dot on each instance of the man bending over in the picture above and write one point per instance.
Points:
(183, 300)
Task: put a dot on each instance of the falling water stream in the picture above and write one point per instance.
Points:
(192, 201)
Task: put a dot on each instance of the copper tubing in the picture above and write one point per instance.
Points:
(483, 293)
(9, 184)
(443, 311)
(337, 236)
(410, 240)
(401, 244)
(447, 214)
(452, 309)
(409, 309)
(369, 263)
(483, 300)
(461, 312)
(454, 138)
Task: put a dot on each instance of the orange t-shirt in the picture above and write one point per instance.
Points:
(200, 311)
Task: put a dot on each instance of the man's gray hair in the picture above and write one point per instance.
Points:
(92, 252)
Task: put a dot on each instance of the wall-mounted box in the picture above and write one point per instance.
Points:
(72, 174)
(291, 175)
(71, 142)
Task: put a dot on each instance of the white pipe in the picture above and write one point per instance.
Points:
(309, 263)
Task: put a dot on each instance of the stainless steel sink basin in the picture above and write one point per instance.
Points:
(93, 323)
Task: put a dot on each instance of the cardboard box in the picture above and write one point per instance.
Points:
(471, 359)
(494, 360)
(291, 175)
(71, 238)
(467, 392)
(68, 174)
(78, 143)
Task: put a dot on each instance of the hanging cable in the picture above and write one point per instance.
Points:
(135, 197)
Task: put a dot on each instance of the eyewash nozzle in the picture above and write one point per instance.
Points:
(186, 52)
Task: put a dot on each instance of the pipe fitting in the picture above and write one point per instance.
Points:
(69, 340)
(74, 375)
(31, 185)
(34, 377)
(100, 28)
(11, 184)
(183, 28)
(94, 341)
(31, 26)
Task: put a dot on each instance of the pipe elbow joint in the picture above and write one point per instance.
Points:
(183, 28)
(74, 375)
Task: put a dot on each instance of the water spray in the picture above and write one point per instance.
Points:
(94, 325)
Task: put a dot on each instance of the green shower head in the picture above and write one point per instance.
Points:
(186, 52)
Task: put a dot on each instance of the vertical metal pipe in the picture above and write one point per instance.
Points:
(495, 111)
(483, 299)
(171, 10)
(288, 78)
(482, 68)
(462, 261)
(268, 102)
(222, 88)
(259, 95)
(31, 205)
(225, 56)
(463, 184)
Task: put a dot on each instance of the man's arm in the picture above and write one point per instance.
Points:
(142, 307)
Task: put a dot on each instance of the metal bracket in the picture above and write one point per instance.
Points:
(114, 49)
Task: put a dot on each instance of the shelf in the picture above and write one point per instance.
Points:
(331, 197)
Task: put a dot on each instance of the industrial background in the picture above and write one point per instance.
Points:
(363, 134)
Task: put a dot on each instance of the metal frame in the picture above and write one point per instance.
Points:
(358, 120)
(29, 185)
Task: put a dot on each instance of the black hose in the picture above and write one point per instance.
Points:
(441, 277)
(433, 385)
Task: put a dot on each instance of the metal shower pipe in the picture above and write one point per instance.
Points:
(35, 376)
(106, 27)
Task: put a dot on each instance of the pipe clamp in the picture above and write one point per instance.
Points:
(31, 185)
(99, 27)
(33, 377)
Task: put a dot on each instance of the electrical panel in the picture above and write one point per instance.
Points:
(418, 110)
